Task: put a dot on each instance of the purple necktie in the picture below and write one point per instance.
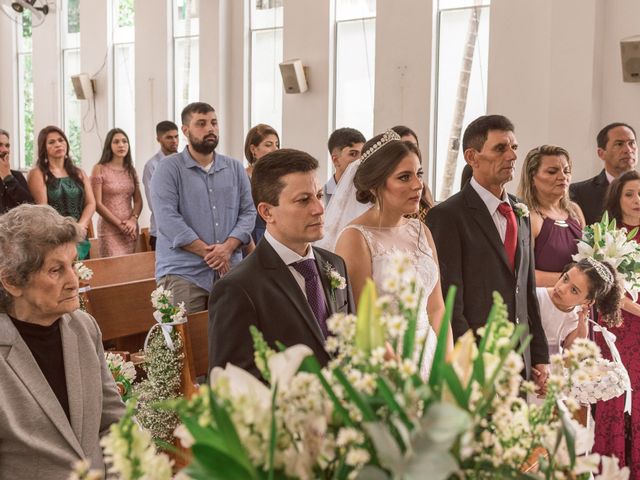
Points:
(315, 296)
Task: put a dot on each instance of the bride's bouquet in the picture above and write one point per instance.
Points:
(604, 242)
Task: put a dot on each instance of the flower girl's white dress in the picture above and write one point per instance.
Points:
(408, 238)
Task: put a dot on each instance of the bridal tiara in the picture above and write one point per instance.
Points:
(388, 136)
(603, 272)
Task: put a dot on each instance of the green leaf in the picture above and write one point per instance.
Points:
(368, 414)
(455, 387)
(217, 465)
(441, 347)
(272, 434)
(569, 433)
(387, 394)
(228, 431)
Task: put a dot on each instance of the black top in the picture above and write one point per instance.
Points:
(14, 191)
(45, 344)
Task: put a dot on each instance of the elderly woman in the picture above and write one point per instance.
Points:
(57, 396)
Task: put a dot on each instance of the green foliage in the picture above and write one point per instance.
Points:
(27, 93)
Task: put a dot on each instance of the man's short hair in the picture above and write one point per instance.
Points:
(603, 135)
(344, 137)
(164, 127)
(477, 131)
(4, 132)
(195, 107)
(266, 180)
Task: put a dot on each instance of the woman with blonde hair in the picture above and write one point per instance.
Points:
(556, 221)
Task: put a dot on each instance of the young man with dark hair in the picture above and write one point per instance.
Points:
(618, 150)
(167, 137)
(13, 186)
(483, 246)
(282, 288)
(345, 146)
(203, 209)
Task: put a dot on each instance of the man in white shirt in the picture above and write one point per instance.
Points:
(283, 287)
(167, 137)
(483, 241)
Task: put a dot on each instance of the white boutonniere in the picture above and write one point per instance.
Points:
(336, 281)
(521, 210)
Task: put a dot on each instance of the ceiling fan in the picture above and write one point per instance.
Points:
(14, 8)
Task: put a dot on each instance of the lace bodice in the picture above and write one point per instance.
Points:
(411, 239)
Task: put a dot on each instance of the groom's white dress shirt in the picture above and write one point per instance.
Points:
(288, 256)
(492, 202)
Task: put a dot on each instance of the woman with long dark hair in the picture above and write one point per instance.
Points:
(118, 198)
(389, 177)
(56, 181)
(618, 433)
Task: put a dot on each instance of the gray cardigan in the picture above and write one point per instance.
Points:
(36, 438)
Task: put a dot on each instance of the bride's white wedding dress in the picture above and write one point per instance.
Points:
(409, 238)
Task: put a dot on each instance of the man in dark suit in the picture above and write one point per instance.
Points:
(483, 241)
(618, 150)
(283, 287)
(13, 186)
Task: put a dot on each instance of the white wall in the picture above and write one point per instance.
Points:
(555, 71)
(306, 117)
(153, 41)
(404, 32)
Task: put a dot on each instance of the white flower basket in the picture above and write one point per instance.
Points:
(604, 379)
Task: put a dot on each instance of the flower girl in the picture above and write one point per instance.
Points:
(564, 307)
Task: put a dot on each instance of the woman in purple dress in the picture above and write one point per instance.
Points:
(618, 433)
(556, 222)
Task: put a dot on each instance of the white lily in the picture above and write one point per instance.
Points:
(284, 365)
(243, 383)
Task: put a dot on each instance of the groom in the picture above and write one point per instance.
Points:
(484, 243)
(283, 287)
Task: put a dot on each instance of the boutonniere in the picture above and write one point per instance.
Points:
(521, 210)
(336, 281)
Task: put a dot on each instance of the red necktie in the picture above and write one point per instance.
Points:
(511, 237)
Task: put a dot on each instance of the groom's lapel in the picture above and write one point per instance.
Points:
(284, 280)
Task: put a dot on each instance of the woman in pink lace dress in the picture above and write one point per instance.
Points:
(618, 433)
(118, 199)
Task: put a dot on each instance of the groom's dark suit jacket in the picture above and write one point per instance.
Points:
(472, 257)
(261, 291)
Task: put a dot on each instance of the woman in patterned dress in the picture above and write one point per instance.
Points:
(118, 198)
(618, 433)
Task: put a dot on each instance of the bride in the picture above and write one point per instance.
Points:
(389, 176)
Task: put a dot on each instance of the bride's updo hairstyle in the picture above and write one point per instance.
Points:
(377, 166)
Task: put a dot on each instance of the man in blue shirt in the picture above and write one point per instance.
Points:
(203, 210)
(167, 137)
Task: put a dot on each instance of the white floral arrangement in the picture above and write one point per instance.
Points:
(370, 414)
(604, 242)
(123, 372)
(84, 273)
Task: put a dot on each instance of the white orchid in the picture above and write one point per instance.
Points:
(612, 471)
